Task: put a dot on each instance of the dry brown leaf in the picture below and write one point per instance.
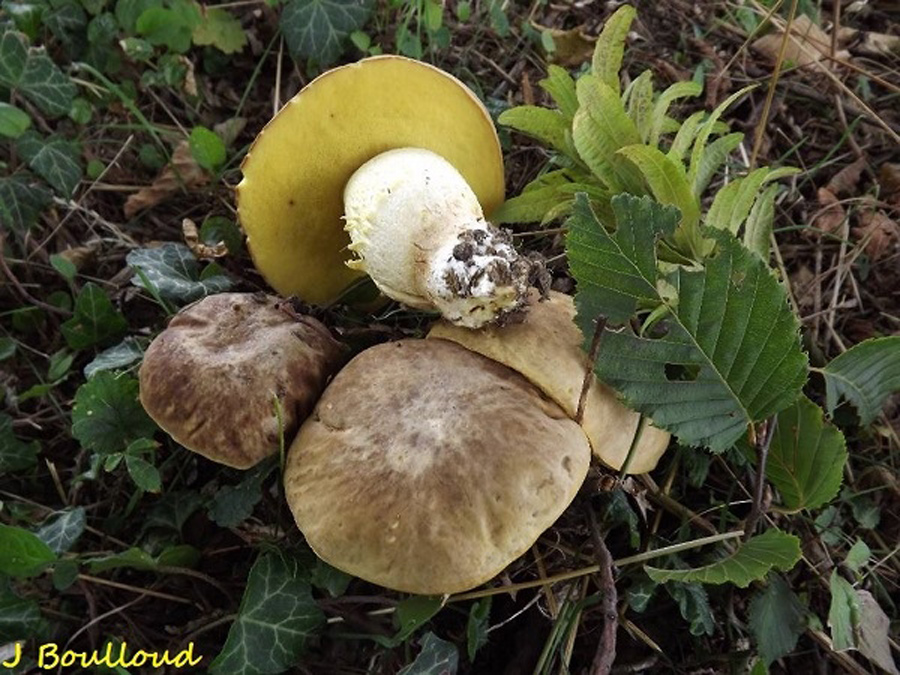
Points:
(189, 86)
(571, 47)
(230, 129)
(844, 182)
(830, 217)
(889, 180)
(807, 43)
(198, 248)
(81, 256)
(867, 43)
(880, 234)
(802, 282)
(181, 173)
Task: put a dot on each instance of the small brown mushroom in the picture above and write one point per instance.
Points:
(213, 377)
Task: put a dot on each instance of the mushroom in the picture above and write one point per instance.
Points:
(233, 372)
(428, 468)
(409, 158)
(546, 347)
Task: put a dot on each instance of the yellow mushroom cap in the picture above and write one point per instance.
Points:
(212, 377)
(546, 348)
(427, 468)
(290, 201)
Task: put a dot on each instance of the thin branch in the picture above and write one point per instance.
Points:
(588, 374)
(763, 441)
(605, 655)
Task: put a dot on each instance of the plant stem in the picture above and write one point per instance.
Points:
(763, 441)
(605, 655)
(592, 358)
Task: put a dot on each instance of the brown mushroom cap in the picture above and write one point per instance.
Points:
(428, 468)
(211, 378)
(546, 349)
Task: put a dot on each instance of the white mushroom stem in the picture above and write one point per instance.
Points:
(419, 232)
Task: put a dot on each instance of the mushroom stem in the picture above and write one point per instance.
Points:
(420, 233)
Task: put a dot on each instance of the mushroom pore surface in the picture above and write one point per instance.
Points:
(427, 468)
(211, 378)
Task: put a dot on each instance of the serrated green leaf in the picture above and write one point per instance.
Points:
(13, 121)
(758, 229)
(561, 87)
(319, 29)
(207, 148)
(477, 626)
(174, 273)
(20, 618)
(865, 375)
(806, 457)
(123, 354)
(664, 102)
(640, 104)
(94, 320)
(731, 355)
(233, 504)
(706, 130)
(733, 202)
(693, 604)
(438, 657)
(713, 159)
(685, 136)
(107, 415)
(22, 554)
(55, 159)
(63, 529)
(547, 126)
(221, 30)
(276, 617)
(610, 47)
(15, 454)
(776, 619)
(843, 614)
(21, 201)
(752, 561)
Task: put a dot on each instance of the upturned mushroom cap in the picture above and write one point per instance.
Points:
(211, 378)
(546, 348)
(290, 201)
(428, 468)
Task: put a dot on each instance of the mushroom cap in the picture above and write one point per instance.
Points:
(210, 379)
(546, 348)
(290, 201)
(428, 468)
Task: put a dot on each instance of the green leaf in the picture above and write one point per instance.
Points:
(713, 158)
(319, 29)
(15, 454)
(438, 657)
(547, 126)
(21, 200)
(640, 104)
(181, 555)
(22, 554)
(758, 229)
(107, 415)
(610, 47)
(731, 354)
(64, 266)
(750, 562)
(217, 229)
(55, 159)
(13, 121)
(221, 30)
(685, 136)
(67, 21)
(865, 375)
(7, 348)
(665, 100)
(844, 613)
(31, 72)
(65, 573)
(174, 273)
(539, 198)
(63, 529)
(777, 619)
(207, 148)
(706, 130)
(732, 203)
(94, 320)
(858, 556)
(477, 626)
(329, 579)
(20, 618)
(499, 20)
(129, 11)
(123, 354)
(561, 87)
(143, 473)
(693, 603)
(413, 613)
(276, 617)
(233, 504)
(170, 27)
(806, 457)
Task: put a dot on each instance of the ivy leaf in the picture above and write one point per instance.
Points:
(319, 29)
(776, 619)
(477, 626)
(63, 529)
(731, 355)
(107, 415)
(20, 618)
(174, 273)
(276, 616)
(123, 354)
(693, 603)
(21, 201)
(13, 121)
(233, 504)
(22, 554)
(55, 159)
(844, 613)
(32, 73)
(15, 454)
(95, 319)
(221, 30)
(438, 657)
(806, 457)
(865, 375)
(750, 562)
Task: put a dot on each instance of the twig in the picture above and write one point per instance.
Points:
(605, 655)
(592, 358)
(763, 441)
(4, 267)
